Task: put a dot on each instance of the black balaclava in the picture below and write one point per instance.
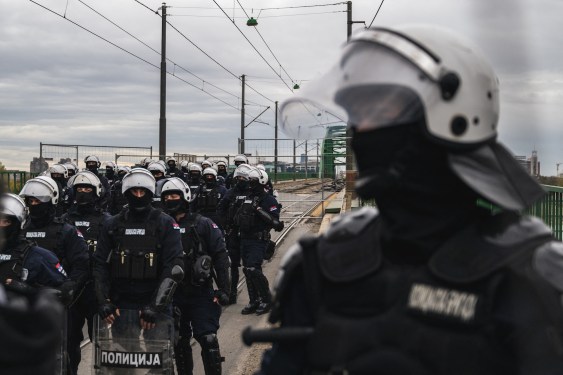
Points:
(41, 214)
(171, 165)
(210, 181)
(85, 201)
(138, 206)
(173, 207)
(10, 234)
(195, 178)
(110, 173)
(421, 201)
(61, 181)
(93, 167)
(241, 185)
(255, 186)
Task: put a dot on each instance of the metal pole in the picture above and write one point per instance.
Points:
(276, 146)
(350, 173)
(162, 122)
(306, 160)
(294, 152)
(349, 19)
(40, 157)
(241, 146)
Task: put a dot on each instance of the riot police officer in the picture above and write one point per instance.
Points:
(222, 169)
(239, 159)
(93, 164)
(138, 260)
(66, 242)
(228, 207)
(111, 172)
(173, 170)
(206, 260)
(194, 178)
(88, 218)
(159, 173)
(430, 282)
(22, 263)
(59, 174)
(30, 319)
(257, 215)
(208, 196)
(117, 199)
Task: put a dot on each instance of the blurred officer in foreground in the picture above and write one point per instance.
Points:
(430, 282)
(206, 260)
(30, 318)
(139, 257)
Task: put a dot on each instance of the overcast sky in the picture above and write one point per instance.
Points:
(61, 84)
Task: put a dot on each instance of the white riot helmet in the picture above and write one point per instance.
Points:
(72, 168)
(171, 162)
(90, 179)
(13, 205)
(184, 165)
(176, 185)
(156, 167)
(112, 165)
(58, 169)
(92, 158)
(242, 171)
(123, 170)
(138, 178)
(206, 164)
(261, 167)
(240, 159)
(43, 188)
(258, 175)
(210, 175)
(386, 77)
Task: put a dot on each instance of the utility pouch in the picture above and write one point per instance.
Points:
(143, 266)
(202, 270)
(121, 264)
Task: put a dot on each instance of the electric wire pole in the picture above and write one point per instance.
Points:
(162, 121)
(241, 144)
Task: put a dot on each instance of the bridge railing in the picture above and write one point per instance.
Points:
(13, 181)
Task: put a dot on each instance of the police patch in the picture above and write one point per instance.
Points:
(214, 225)
(273, 208)
(79, 234)
(175, 226)
(35, 235)
(81, 223)
(135, 232)
(4, 257)
(448, 303)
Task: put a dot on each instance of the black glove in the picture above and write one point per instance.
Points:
(106, 309)
(278, 226)
(68, 294)
(222, 297)
(148, 314)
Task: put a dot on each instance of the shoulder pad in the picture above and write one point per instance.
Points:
(481, 249)
(548, 263)
(290, 263)
(351, 224)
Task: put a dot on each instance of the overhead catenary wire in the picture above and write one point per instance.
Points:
(132, 54)
(245, 37)
(269, 49)
(203, 81)
(261, 17)
(380, 4)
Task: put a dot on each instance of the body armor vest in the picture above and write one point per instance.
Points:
(89, 225)
(246, 214)
(11, 265)
(196, 258)
(135, 255)
(49, 237)
(207, 200)
(425, 318)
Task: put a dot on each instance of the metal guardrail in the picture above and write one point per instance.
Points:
(13, 181)
(550, 210)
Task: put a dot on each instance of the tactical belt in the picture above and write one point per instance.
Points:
(263, 235)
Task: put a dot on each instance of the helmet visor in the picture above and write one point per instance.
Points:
(37, 190)
(371, 87)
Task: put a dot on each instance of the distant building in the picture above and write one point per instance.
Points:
(38, 165)
(530, 164)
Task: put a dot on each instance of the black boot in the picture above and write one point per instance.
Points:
(184, 359)
(234, 283)
(210, 354)
(264, 294)
(252, 294)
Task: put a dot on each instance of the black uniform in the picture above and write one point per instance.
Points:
(117, 199)
(205, 261)
(207, 202)
(257, 215)
(227, 208)
(89, 221)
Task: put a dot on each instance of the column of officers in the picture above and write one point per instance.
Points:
(149, 238)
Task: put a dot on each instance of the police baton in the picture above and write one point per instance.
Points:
(251, 336)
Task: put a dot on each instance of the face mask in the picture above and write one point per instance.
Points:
(84, 198)
(110, 173)
(172, 207)
(93, 169)
(40, 211)
(9, 234)
(139, 204)
(242, 185)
